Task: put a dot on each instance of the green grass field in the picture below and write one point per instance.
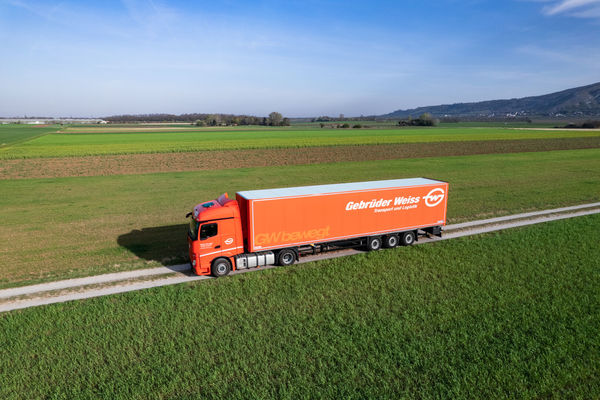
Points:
(511, 314)
(514, 314)
(66, 227)
(11, 134)
(110, 142)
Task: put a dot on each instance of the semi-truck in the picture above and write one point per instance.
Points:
(278, 226)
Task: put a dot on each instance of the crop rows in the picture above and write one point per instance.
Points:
(226, 159)
(84, 144)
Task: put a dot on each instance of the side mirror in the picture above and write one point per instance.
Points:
(188, 214)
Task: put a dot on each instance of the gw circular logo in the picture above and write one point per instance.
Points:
(434, 197)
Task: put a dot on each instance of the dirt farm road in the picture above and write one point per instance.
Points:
(120, 282)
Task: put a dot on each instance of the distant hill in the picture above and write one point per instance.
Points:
(580, 102)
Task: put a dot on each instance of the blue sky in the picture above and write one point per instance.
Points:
(301, 58)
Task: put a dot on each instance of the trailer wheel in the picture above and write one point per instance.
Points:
(373, 243)
(286, 257)
(391, 241)
(407, 238)
(220, 267)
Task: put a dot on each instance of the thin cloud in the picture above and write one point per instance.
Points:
(589, 13)
(576, 8)
(74, 18)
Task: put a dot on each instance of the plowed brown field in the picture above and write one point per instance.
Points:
(213, 160)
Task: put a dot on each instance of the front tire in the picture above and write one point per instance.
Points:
(220, 267)
(286, 257)
(408, 238)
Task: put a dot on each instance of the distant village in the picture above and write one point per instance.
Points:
(51, 121)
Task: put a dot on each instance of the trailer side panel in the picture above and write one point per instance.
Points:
(291, 220)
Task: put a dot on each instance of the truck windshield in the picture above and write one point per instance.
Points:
(193, 232)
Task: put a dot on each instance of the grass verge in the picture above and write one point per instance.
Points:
(512, 314)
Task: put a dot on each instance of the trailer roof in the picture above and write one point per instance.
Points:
(334, 188)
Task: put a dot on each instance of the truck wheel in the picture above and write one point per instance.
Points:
(373, 243)
(407, 238)
(286, 257)
(220, 267)
(391, 241)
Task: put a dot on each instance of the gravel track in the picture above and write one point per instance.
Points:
(42, 294)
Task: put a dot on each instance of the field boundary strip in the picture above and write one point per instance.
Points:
(11, 301)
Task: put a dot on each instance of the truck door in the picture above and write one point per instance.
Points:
(228, 237)
(218, 239)
(210, 244)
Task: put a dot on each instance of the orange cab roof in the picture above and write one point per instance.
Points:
(215, 209)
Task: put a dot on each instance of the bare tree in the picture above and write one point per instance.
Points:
(275, 119)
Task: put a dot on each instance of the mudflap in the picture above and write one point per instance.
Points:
(433, 231)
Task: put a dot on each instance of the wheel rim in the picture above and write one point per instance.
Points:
(392, 241)
(287, 258)
(374, 244)
(221, 268)
(409, 239)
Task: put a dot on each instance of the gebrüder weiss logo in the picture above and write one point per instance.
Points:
(434, 197)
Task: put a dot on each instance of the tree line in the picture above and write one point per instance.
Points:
(201, 119)
(424, 119)
(341, 117)
(589, 124)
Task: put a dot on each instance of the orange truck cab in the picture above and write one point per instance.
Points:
(215, 233)
(278, 226)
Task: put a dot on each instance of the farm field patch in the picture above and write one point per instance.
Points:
(227, 159)
(182, 127)
(509, 314)
(67, 227)
(17, 133)
(83, 144)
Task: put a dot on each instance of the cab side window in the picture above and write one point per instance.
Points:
(208, 230)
